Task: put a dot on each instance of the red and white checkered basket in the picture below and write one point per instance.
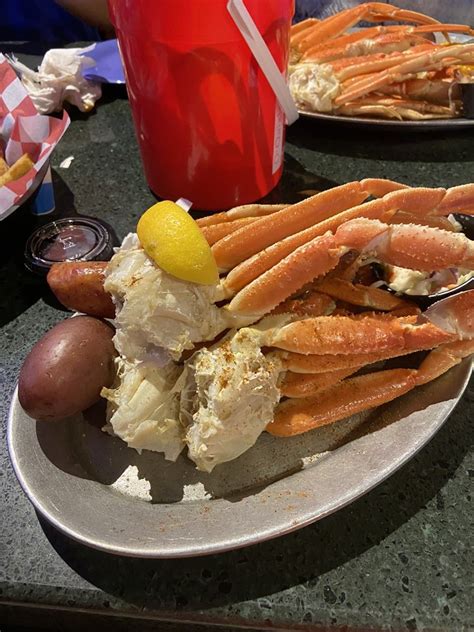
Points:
(22, 130)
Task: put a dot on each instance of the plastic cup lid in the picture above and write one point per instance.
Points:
(68, 239)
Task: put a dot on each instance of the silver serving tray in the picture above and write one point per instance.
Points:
(105, 495)
(415, 126)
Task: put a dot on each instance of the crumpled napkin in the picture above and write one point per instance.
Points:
(59, 78)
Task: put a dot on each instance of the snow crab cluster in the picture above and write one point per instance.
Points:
(386, 71)
(279, 343)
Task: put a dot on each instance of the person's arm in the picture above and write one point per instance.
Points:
(94, 12)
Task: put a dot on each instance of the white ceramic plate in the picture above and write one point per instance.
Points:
(103, 494)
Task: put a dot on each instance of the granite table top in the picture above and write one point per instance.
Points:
(397, 559)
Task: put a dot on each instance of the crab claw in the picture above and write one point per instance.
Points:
(454, 314)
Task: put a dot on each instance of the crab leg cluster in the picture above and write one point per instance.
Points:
(394, 71)
(319, 399)
(299, 276)
(299, 264)
(308, 239)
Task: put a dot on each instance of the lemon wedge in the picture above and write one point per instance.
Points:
(173, 240)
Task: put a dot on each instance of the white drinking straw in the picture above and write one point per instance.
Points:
(184, 204)
(256, 43)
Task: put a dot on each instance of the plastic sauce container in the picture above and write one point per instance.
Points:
(75, 239)
(207, 121)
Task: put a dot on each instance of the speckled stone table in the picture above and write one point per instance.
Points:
(397, 559)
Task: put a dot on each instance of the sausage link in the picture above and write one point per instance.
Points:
(79, 286)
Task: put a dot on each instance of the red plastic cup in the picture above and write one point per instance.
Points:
(207, 121)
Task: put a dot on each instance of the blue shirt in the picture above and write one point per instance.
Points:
(41, 21)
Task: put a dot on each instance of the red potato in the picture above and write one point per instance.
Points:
(79, 285)
(65, 371)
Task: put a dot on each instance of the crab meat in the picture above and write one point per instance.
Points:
(143, 407)
(236, 370)
(156, 313)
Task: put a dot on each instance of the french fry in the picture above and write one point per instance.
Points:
(17, 170)
(3, 166)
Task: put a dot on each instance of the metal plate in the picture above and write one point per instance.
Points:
(98, 491)
(414, 126)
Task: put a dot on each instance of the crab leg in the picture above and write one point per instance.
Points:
(238, 212)
(314, 304)
(378, 40)
(381, 12)
(259, 263)
(379, 187)
(297, 385)
(347, 335)
(406, 245)
(295, 416)
(454, 314)
(414, 63)
(420, 201)
(402, 217)
(329, 28)
(341, 46)
(247, 241)
(303, 25)
(448, 320)
(300, 267)
(442, 359)
(313, 363)
(356, 394)
(342, 41)
(382, 45)
(456, 200)
(214, 232)
(437, 91)
(359, 393)
(362, 295)
(351, 71)
(399, 109)
(335, 25)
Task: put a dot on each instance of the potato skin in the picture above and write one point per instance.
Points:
(65, 371)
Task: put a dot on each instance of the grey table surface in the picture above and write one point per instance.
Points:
(397, 559)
